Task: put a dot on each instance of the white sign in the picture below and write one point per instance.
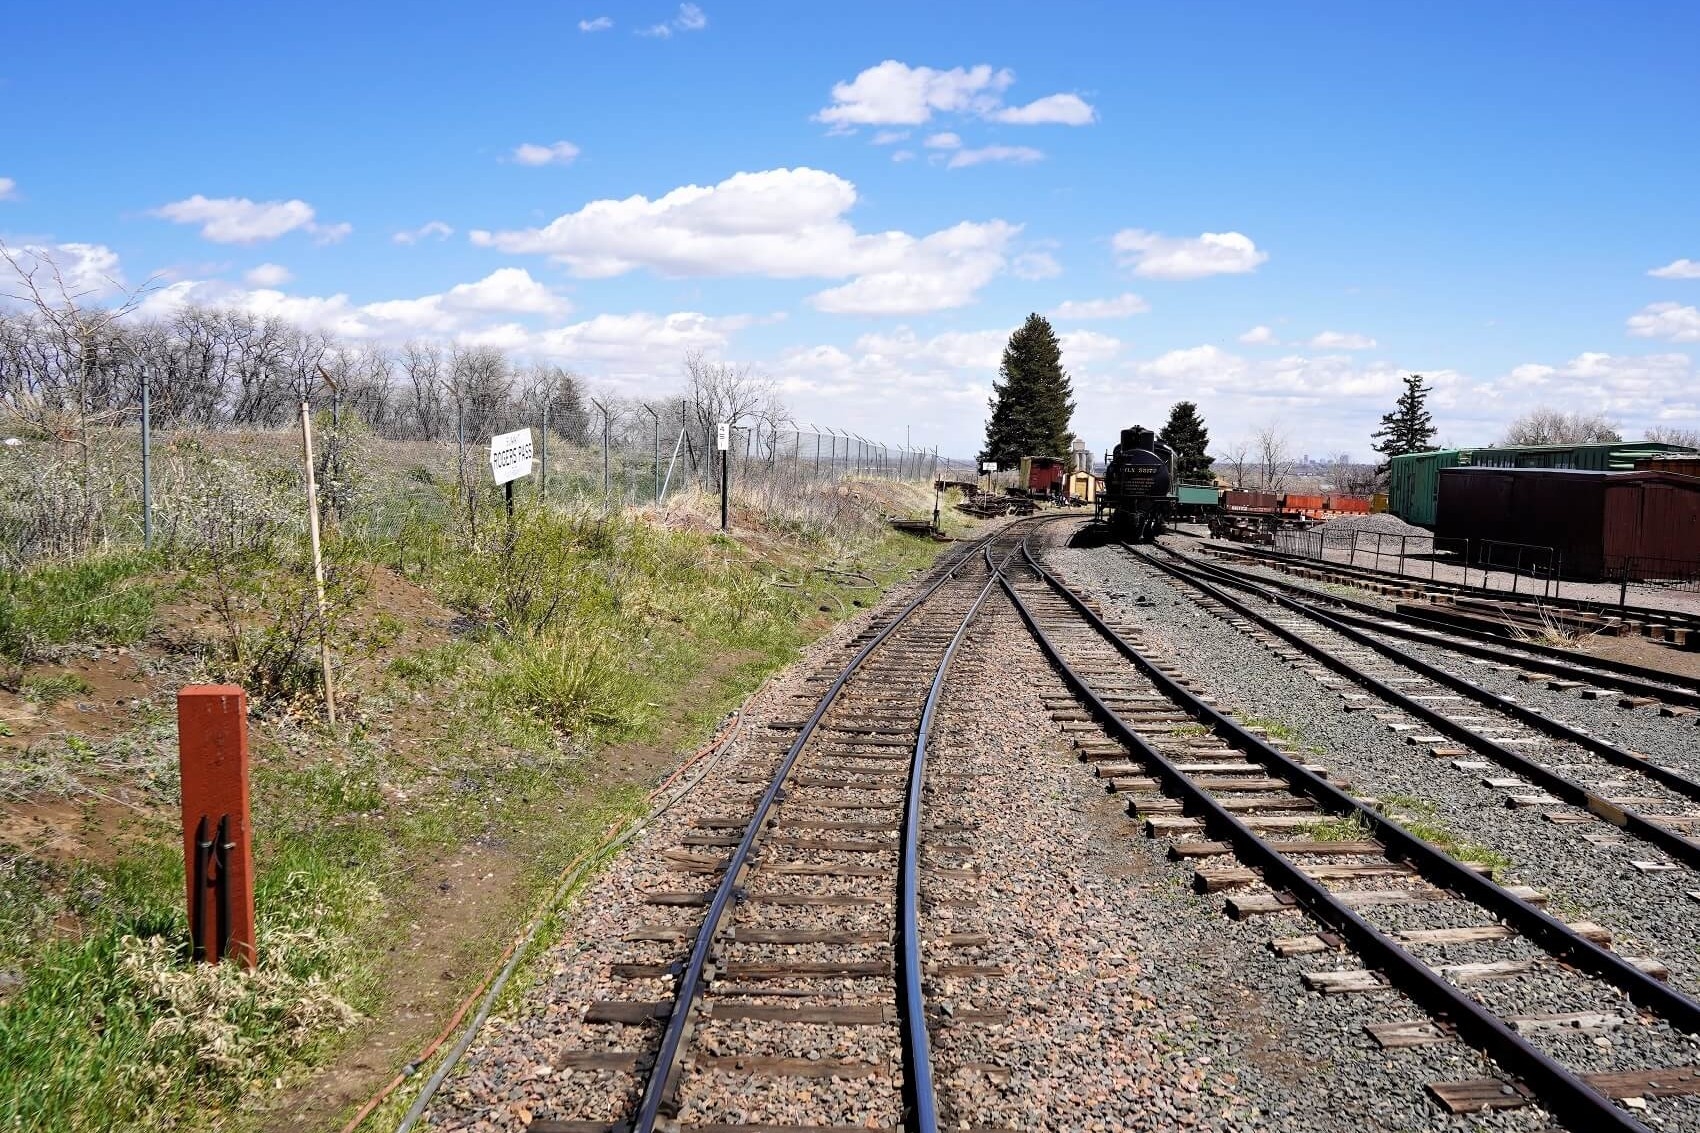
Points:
(988, 466)
(725, 441)
(510, 455)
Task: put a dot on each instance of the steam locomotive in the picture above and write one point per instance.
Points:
(1138, 485)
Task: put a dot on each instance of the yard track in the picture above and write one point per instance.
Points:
(1197, 775)
(1434, 695)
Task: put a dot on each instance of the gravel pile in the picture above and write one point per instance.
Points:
(1381, 523)
(1650, 915)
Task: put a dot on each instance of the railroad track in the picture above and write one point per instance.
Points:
(1587, 674)
(1488, 610)
(798, 999)
(1554, 762)
(1487, 963)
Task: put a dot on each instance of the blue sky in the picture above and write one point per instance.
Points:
(1482, 193)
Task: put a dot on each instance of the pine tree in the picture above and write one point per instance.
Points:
(1186, 434)
(1032, 400)
(1409, 427)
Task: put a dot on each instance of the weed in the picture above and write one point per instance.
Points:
(1186, 731)
(1274, 728)
(1345, 828)
(1418, 817)
(50, 690)
(107, 598)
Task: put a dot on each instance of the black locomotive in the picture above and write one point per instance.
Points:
(1139, 485)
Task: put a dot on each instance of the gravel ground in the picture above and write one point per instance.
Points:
(1649, 915)
(1136, 1003)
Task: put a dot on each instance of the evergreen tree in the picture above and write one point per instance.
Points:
(1186, 434)
(1409, 427)
(1032, 400)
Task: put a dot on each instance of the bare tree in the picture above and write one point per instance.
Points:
(720, 391)
(1547, 426)
(1234, 460)
(1273, 458)
(1671, 435)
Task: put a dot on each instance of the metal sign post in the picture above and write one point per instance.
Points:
(212, 753)
(723, 442)
(988, 467)
(510, 459)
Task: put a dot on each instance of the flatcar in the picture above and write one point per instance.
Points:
(1139, 491)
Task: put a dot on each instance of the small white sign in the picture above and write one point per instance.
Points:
(510, 455)
(988, 466)
(725, 439)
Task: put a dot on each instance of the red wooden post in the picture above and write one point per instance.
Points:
(212, 748)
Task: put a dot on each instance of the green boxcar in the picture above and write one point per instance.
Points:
(1196, 495)
(1413, 482)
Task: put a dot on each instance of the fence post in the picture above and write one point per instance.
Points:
(543, 472)
(1402, 539)
(318, 563)
(212, 756)
(1517, 570)
(147, 467)
(1623, 589)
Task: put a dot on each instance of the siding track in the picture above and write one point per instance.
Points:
(1198, 776)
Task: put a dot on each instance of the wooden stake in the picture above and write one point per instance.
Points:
(318, 562)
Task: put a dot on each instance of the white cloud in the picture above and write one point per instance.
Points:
(690, 18)
(506, 291)
(896, 94)
(431, 229)
(557, 153)
(944, 140)
(1338, 340)
(1019, 155)
(961, 350)
(1035, 266)
(1054, 109)
(8, 189)
(1671, 321)
(1678, 269)
(1084, 347)
(903, 155)
(1184, 257)
(1260, 336)
(84, 270)
(779, 223)
(238, 220)
(1120, 307)
(600, 23)
(268, 275)
(889, 137)
(936, 273)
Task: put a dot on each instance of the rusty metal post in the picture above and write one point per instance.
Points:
(212, 752)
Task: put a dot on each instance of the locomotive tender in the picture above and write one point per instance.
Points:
(1139, 482)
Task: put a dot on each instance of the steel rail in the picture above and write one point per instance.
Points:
(1463, 589)
(1546, 930)
(1562, 786)
(1630, 677)
(919, 1093)
(1560, 1090)
(663, 1076)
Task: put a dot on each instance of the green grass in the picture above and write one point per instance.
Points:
(109, 599)
(48, 690)
(590, 631)
(1346, 828)
(1420, 818)
(1273, 728)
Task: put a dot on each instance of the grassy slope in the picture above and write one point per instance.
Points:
(576, 639)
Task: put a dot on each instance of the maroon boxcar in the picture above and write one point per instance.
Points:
(1595, 520)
